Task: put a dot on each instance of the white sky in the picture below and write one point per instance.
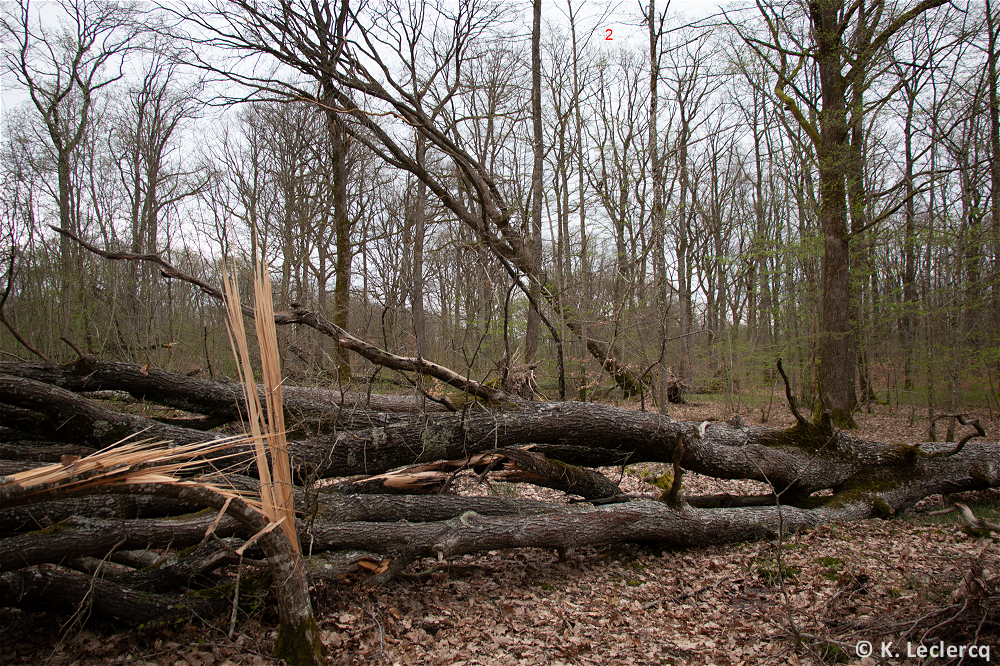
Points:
(622, 20)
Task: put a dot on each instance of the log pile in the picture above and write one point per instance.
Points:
(376, 477)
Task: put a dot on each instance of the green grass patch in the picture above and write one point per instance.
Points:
(985, 505)
(766, 569)
(834, 654)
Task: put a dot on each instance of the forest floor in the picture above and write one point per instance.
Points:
(896, 587)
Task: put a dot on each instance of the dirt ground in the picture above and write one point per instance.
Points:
(908, 590)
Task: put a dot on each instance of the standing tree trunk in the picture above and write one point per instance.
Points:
(585, 295)
(417, 268)
(658, 214)
(842, 58)
(838, 359)
(535, 233)
(994, 104)
(342, 227)
(909, 316)
(683, 241)
(70, 285)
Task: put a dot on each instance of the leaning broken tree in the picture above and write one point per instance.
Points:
(344, 52)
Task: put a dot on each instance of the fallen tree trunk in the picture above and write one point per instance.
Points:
(58, 588)
(798, 461)
(403, 529)
(298, 640)
(65, 538)
(381, 523)
(313, 407)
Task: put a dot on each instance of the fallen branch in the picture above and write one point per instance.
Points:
(317, 322)
(964, 421)
(972, 523)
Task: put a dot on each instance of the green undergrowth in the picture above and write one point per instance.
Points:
(985, 504)
(766, 569)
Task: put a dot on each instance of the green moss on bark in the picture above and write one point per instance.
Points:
(811, 438)
(299, 644)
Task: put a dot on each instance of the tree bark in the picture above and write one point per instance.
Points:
(658, 213)
(342, 227)
(55, 587)
(64, 540)
(298, 640)
(994, 115)
(538, 155)
(806, 457)
(419, 237)
(447, 526)
(838, 359)
(203, 396)
(842, 57)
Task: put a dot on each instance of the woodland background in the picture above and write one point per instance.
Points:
(493, 199)
(680, 216)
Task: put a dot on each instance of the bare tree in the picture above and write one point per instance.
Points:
(993, 101)
(321, 51)
(690, 84)
(654, 24)
(146, 142)
(842, 44)
(63, 68)
(537, 166)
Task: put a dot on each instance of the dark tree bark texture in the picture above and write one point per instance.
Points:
(552, 444)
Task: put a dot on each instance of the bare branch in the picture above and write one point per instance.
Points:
(318, 322)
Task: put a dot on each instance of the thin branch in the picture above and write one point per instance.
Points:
(961, 419)
(791, 398)
(318, 322)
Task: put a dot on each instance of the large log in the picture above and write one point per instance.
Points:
(866, 479)
(400, 530)
(69, 417)
(444, 523)
(801, 460)
(319, 406)
(59, 588)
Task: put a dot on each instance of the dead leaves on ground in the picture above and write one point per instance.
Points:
(719, 605)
